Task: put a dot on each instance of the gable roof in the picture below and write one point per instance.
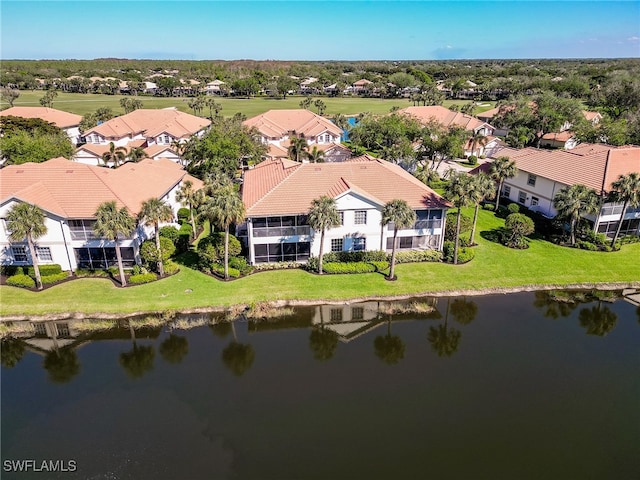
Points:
(57, 117)
(592, 165)
(151, 122)
(281, 187)
(75, 190)
(444, 116)
(278, 123)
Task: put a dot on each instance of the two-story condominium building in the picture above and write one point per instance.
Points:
(278, 193)
(276, 127)
(542, 173)
(69, 194)
(146, 128)
(69, 122)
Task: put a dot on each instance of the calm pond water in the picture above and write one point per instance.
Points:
(520, 386)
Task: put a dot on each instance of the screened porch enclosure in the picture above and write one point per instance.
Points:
(100, 258)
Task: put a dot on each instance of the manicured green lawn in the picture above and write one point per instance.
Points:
(85, 103)
(494, 266)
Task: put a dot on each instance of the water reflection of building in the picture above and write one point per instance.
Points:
(348, 321)
(632, 295)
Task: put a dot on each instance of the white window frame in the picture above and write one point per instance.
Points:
(532, 180)
(534, 201)
(18, 252)
(522, 197)
(335, 242)
(359, 244)
(341, 217)
(506, 190)
(44, 254)
(360, 221)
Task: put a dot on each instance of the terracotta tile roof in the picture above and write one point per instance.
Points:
(73, 190)
(57, 117)
(155, 150)
(278, 187)
(443, 116)
(151, 122)
(559, 136)
(595, 166)
(279, 123)
(277, 151)
(591, 115)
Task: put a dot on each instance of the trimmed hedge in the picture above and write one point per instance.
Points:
(261, 267)
(47, 269)
(170, 267)
(142, 278)
(411, 256)
(240, 264)
(465, 254)
(362, 256)
(348, 267)
(218, 269)
(82, 272)
(53, 278)
(21, 280)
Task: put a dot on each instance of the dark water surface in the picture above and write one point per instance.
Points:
(515, 386)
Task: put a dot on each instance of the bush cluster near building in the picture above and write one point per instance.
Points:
(24, 276)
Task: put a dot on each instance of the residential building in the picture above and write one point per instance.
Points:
(542, 173)
(69, 122)
(278, 193)
(69, 194)
(277, 127)
(449, 118)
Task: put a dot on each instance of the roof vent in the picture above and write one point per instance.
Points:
(363, 167)
(317, 169)
(19, 171)
(69, 171)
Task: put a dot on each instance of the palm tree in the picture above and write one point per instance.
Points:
(298, 147)
(193, 198)
(402, 216)
(226, 208)
(627, 190)
(152, 213)
(501, 169)
(315, 155)
(27, 221)
(458, 191)
(323, 215)
(482, 188)
(306, 103)
(111, 223)
(117, 155)
(319, 104)
(478, 138)
(136, 154)
(573, 202)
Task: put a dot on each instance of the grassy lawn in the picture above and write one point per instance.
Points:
(85, 103)
(494, 266)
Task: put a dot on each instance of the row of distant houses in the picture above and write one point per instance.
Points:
(277, 193)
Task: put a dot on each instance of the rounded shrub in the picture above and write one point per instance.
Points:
(211, 248)
(53, 278)
(518, 227)
(473, 160)
(513, 208)
(48, 269)
(184, 215)
(142, 278)
(21, 280)
(149, 252)
(172, 233)
(171, 267)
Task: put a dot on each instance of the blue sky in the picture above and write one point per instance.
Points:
(317, 30)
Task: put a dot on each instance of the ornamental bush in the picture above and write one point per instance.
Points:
(211, 248)
(587, 245)
(142, 278)
(450, 227)
(348, 267)
(518, 226)
(53, 278)
(361, 256)
(261, 267)
(472, 160)
(240, 264)
(21, 280)
(172, 233)
(465, 254)
(48, 269)
(171, 267)
(184, 215)
(218, 269)
(83, 272)
(149, 252)
(513, 208)
(411, 256)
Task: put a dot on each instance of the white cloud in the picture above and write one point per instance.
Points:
(633, 39)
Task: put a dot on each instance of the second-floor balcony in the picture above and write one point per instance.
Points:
(281, 231)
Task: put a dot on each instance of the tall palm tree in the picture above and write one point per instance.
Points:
(27, 221)
(458, 191)
(152, 213)
(501, 169)
(402, 216)
(226, 208)
(573, 202)
(193, 198)
(112, 222)
(315, 155)
(482, 188)
(627, 190)
(117, 155)
(136, 154)
(323, 215)
(298, 147)
(478, 139)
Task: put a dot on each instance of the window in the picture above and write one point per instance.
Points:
(506, 191)
(336, 315)
(279, 252)
(40, 329)
(359, 244)
(19, 254)
(166, 139)
(531, 180)
(63, 329)
(341, 217)
(357, 313)
(534, 201)
(44, 254)
(360, 217)
(336, 244)
(522, 197)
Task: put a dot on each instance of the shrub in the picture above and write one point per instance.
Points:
(149, 252)
(312, 264)
(240, 264)
(518, 226)
(380, 266)
(450, 227)
(211, 248)
(171, 267)
(54, 277)
(361, 256)
(49, 269)
(513, 208)
(218, 269)
(184, 238)
(465, 254)
(586, 245)
(473, 160)
(82, 272)
(260, 267)
(348, 267)
(142, 278)
(138, 269)
(21, 280)
(411, 256)
(172, 233)
(184, 215)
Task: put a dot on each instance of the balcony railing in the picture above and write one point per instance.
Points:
(421, 225)
(281, 231)
(82, 234)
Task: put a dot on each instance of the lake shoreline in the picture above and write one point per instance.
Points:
(306, 303)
